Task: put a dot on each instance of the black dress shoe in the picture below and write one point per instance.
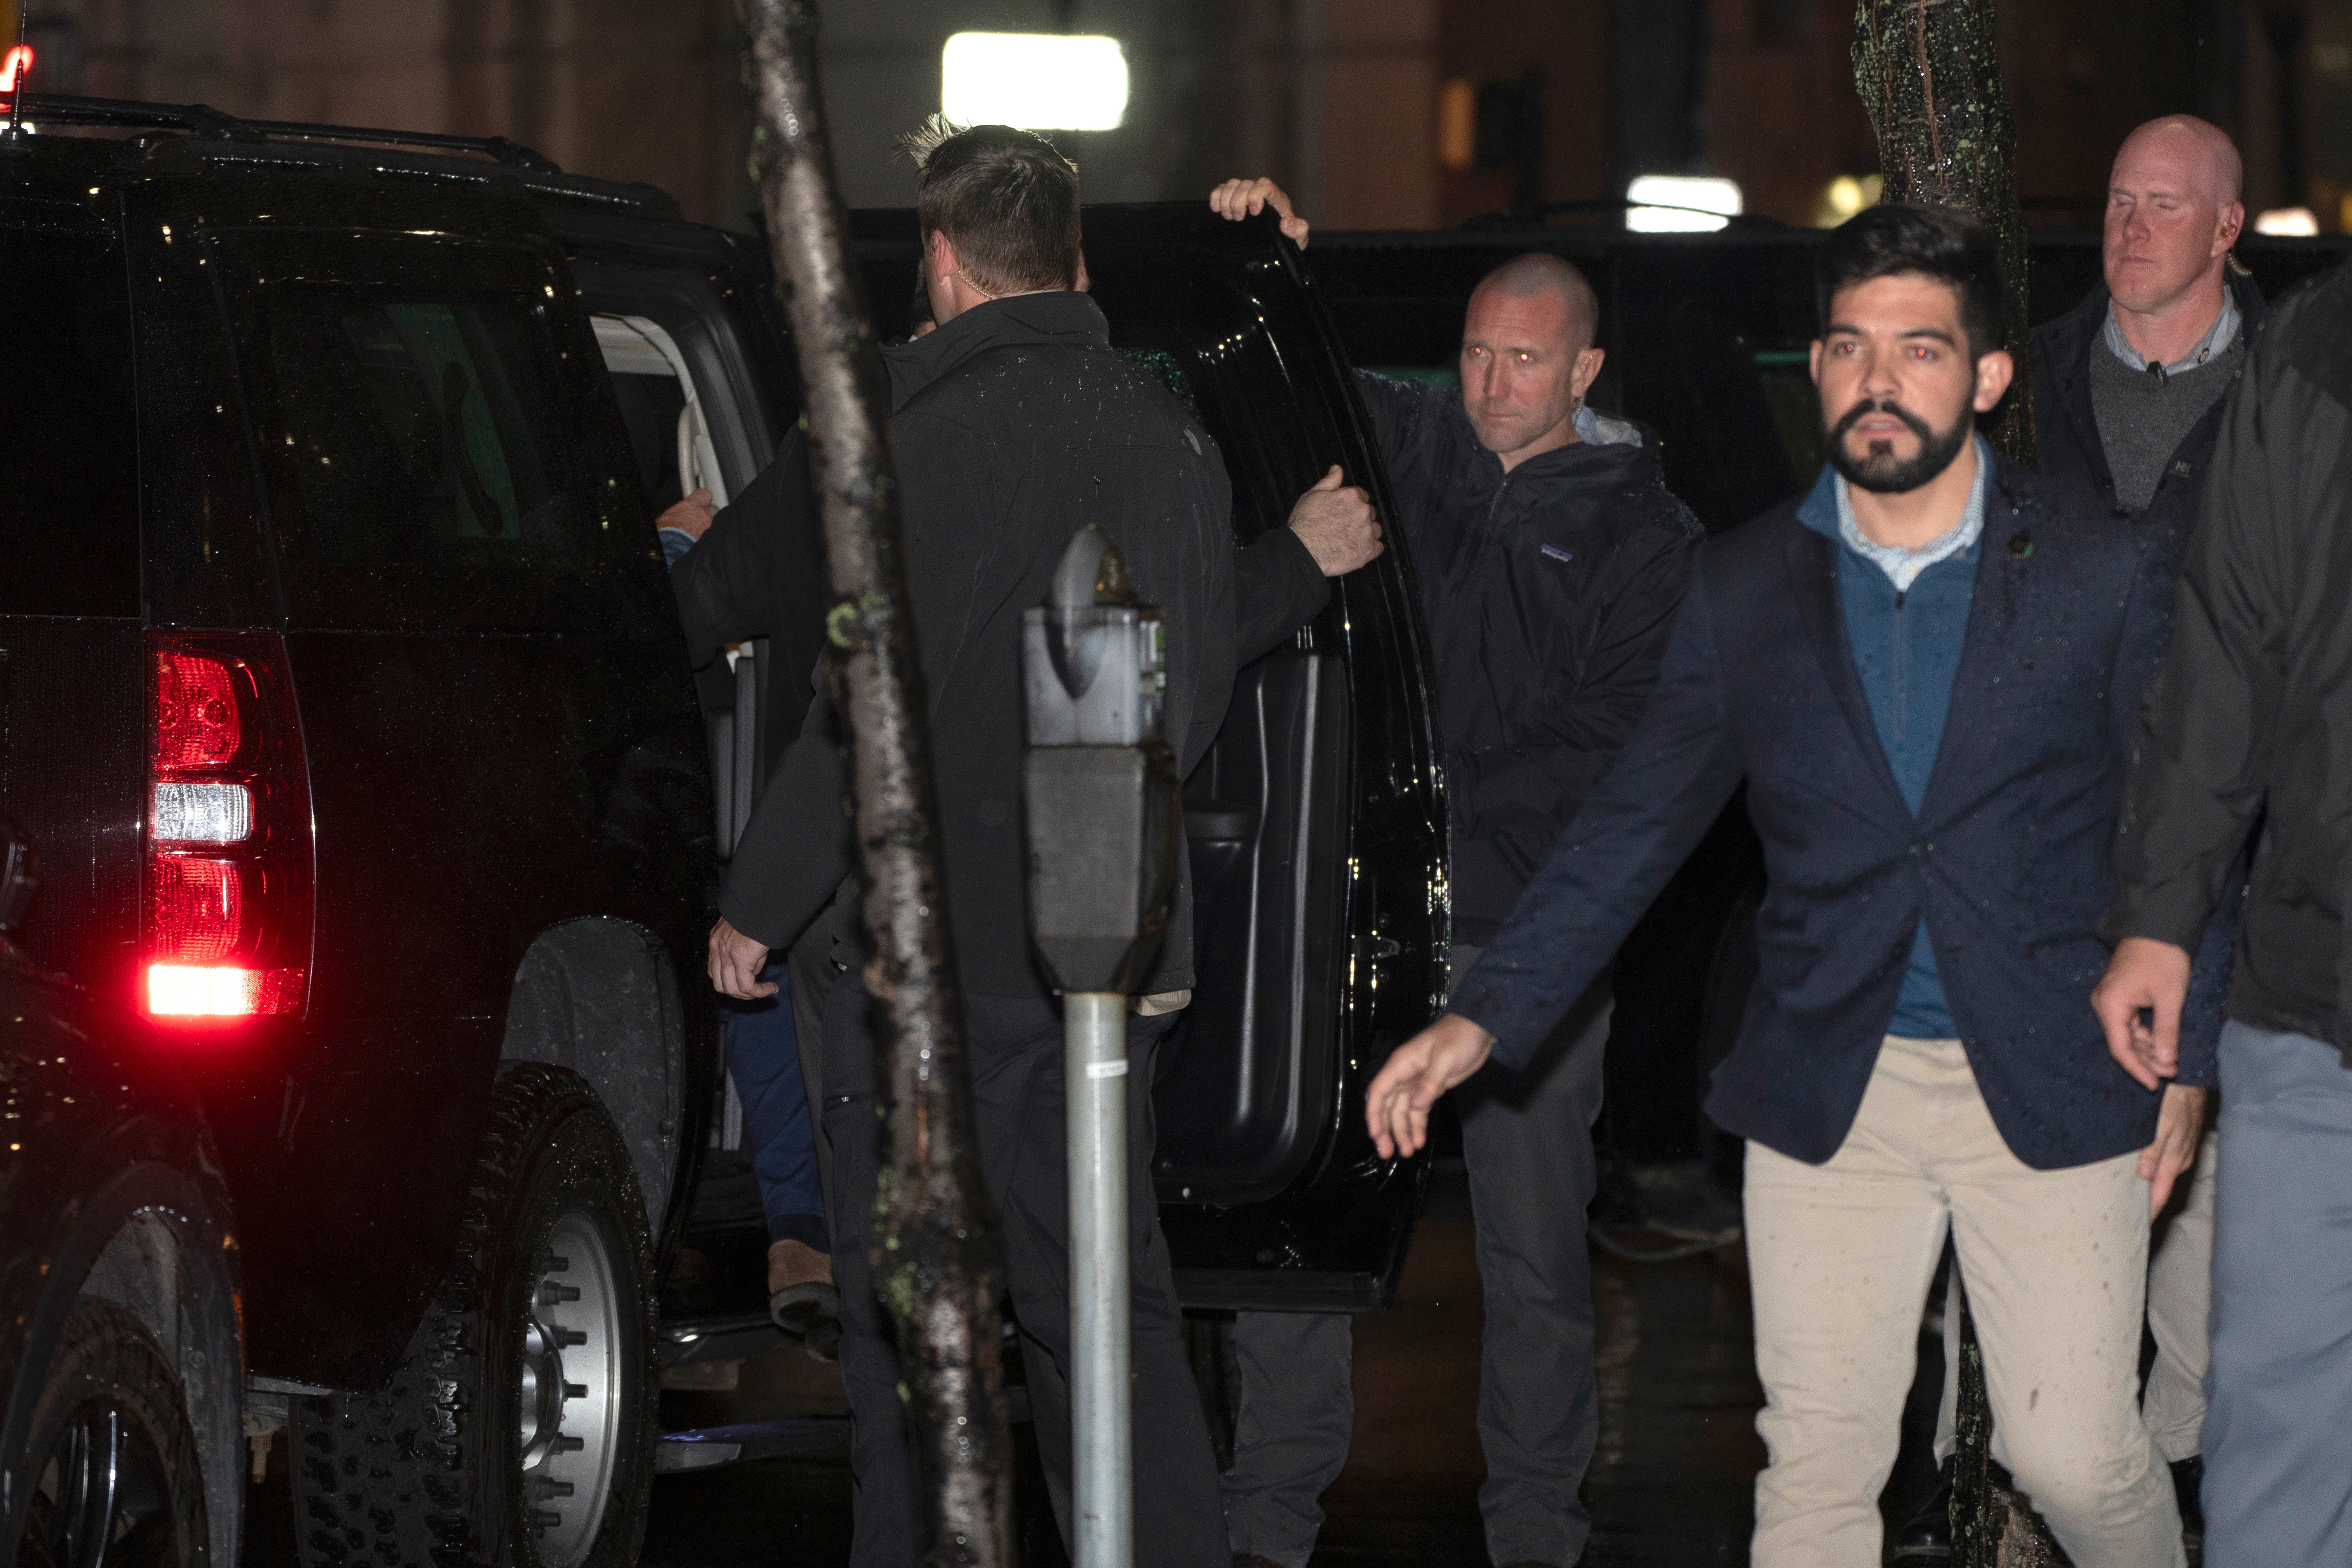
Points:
(2188, 1482)
(1925, 1539)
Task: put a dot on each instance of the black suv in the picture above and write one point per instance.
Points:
(343, 694)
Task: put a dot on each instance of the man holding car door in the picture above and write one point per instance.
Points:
(1551, 558)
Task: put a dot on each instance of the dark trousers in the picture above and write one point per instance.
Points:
(1527, 1139)
(1016, 1050)
(763, 1056)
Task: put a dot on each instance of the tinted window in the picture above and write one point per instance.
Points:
(421, 445)
(69, 486)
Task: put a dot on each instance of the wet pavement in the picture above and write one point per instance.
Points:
(1670, 1484)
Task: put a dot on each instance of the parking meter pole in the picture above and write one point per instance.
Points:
(1100, 792)
(1094, 1026)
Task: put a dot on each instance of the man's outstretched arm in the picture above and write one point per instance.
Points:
(1649, 813)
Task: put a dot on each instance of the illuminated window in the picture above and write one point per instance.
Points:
(1040, 81)
(1685, 204)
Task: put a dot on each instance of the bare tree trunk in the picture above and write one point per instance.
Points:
(937, 1263)
(1930, 81)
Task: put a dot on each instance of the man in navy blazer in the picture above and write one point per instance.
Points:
(1926, 669)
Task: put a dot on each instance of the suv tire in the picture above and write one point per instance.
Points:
(519, 1425)
(112, 1464)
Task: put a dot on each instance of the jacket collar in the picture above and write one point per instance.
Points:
(2012, 505)
(1058, 318)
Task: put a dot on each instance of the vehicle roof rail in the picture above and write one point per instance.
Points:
(202, 120)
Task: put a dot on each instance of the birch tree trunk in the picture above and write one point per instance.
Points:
(1930, 83)
(936, 1262)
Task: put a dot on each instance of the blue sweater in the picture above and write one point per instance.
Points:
(1907, 649)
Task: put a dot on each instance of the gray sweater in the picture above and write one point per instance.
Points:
(2142, 419)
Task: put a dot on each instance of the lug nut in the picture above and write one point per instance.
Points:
(544, 1520)
(575, 1391)
(548, 1488)
(564, 1443)
(550, 1293)
(568, 1337)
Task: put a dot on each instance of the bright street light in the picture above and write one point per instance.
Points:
(1716, 200)
(1038, 81)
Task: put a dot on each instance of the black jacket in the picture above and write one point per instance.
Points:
(1549, 592)
(2250, 715)
(2006, 859)
(1016, 424)
(759, 571)
(2074, 459)
(2067, 428)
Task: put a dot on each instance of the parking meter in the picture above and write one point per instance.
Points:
(1105, 826)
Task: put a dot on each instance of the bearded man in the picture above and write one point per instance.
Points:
(1926, 669)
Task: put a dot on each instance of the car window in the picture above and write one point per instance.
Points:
(437, 455)
(69, 481)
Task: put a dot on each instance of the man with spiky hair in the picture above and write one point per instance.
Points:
(1014, 424)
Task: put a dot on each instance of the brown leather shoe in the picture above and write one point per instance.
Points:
(800, 1287)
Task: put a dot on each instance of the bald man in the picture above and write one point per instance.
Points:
(2128, 395)
(1551, 560)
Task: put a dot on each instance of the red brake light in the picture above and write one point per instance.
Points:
(196, 719)
(15, 66)
(228, 931)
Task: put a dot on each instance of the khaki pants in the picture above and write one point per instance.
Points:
(1841, 1256)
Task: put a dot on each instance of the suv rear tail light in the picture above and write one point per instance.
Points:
(228, 865)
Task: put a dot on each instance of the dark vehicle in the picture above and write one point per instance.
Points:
(119, 1351)
(342, 688)
(1708, 337)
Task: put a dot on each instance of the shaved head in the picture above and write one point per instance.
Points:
(2173, 213)
(1527, 355)
(1539, 273)
(2199, 149)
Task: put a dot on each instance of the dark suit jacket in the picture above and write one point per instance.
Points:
(2008, 860)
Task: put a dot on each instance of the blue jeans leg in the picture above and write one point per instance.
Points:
(764, 1055)
(2278, 1488)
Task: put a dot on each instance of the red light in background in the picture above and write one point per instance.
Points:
(14, 65)
(226, 933)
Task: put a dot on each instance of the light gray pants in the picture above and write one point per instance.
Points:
(2278, 1464)
(1527, 1140)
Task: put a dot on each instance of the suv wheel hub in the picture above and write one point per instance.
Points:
(571, 1390)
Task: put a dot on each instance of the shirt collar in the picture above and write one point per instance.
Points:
(1831, 508)
(2218, 338)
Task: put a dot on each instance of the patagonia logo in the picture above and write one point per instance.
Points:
(1557, 553)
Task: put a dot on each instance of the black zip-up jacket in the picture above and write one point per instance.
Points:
(2066, 427)
(2074, 460)
(1549, 593)
(2250, 716)
(1016, 424)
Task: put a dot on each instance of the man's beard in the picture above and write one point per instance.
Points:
(1882, 472)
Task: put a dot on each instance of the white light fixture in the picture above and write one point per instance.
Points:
(1715, 201)
(1039, 81)
(2298, 221)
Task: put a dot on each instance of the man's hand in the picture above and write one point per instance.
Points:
(2145, 974)
(691, 516)
(1397, 1106)
(1238, 199)
(2179, 1128)
(735, 964)
(1336, 521)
